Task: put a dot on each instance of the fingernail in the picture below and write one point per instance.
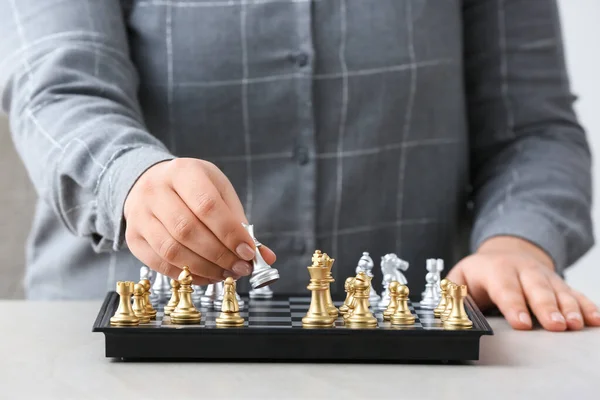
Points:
(596, 315)
(524, 318)
(242, 268)
(245, 251)
(557, 317)
(227, 274)
(574, 316)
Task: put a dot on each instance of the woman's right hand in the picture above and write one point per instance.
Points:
(186, 212)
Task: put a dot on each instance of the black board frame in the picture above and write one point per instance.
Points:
(296, 344)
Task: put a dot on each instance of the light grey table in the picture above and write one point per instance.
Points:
(47, 351)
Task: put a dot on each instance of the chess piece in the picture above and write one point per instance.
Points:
(438, 273)
(430, 266)
(209, 296)
(458, 318)
(318, 313)
(124, 316)
(429, 300)
(393, 303)
(185, 312)
(328, 264)
(197, 295)
(365, 264)
(402, 315)
(174, 301)
(361, 316)
(449, 303)
(392, 267)
(219, 291)
(145, 273)
(230, 310)
(264, 292)
(441, 307)
(263, 274)
(161, 287)
(149, 309)
(139, 307)
(349, 288)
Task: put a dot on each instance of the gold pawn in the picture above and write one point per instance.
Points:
(441, 307)
(124, 316)
(185, 313)
(148, 304)
(403, 316)
(328, 263)
(139, 308)
(349, 288)
(449, 304)
(361, 315)
(391, 308)
(230, 310)
(174, 300)
(458, 318)
(318, 313)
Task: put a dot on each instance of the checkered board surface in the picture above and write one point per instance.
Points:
(273, 331)
(281, 314)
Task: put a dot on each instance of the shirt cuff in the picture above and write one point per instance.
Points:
(528, 225)
(114, 186)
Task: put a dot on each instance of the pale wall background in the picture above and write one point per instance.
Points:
(581, 27)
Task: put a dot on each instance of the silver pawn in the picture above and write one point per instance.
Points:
(429, 301)
(210, 294)
(198, 292)
(430, 266)
(161, 288)
(264, 292)
(218, 303)
(147, 273)
(438, 273)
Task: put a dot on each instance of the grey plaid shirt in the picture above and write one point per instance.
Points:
(404, 126)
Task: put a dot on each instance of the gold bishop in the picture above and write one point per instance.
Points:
(185, 312)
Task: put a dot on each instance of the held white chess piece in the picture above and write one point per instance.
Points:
(429, 301)
(365, 264)
(263, 274)
(264, 292)
(391, 268)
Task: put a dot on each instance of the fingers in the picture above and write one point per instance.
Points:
(226, 190)
(186, 229)
(268, 254)
(143, 251)
(467, 272)
(542, 299)
(173, 252)
(590, 311)
(505, 290)
(568, 304)
(204, 200)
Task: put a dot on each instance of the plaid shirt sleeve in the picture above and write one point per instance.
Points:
(70, 88)
(530, 160)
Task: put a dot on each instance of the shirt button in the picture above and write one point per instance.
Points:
(301, 59)
(302, 155)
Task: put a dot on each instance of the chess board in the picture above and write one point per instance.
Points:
(273, 331)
